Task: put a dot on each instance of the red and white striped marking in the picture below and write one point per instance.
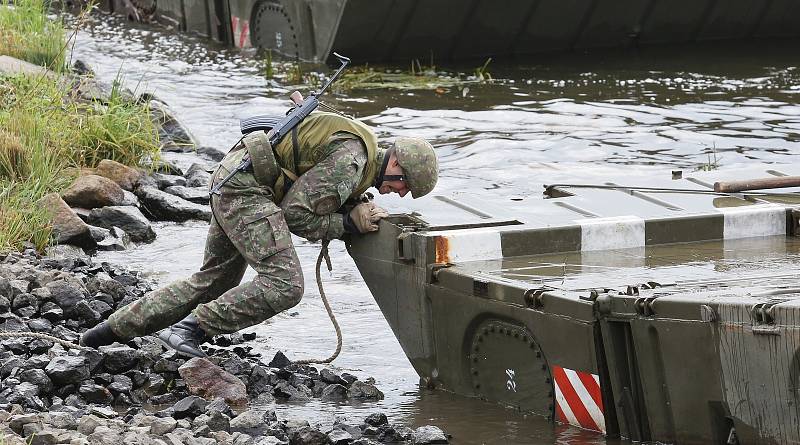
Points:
(578, 399)
(241, 32)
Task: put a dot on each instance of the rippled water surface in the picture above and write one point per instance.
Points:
(558, 118)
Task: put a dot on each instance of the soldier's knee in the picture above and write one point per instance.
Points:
(288, 296)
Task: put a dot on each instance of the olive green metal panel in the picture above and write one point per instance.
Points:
(732, 20)
(611, 23)
(553, 26)
(398, 288)
(780, 20)
(489, 28)
(674, 21)
(197, 18)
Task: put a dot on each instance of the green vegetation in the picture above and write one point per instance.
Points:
(47, 132)
(27, 34)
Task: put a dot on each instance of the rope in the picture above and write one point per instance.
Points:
(323, 253)
(60, 341)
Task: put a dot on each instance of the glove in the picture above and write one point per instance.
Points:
(365, 216)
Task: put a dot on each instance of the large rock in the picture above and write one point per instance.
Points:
(64, 370)
(92, 191)
(127, 218)
(209, 381)
(126, 177)
(167, 207)
(65, 294)
(68, 228)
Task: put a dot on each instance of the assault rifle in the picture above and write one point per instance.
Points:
(280, 128)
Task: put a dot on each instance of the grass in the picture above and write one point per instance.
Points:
(27, 34)
(37, 159)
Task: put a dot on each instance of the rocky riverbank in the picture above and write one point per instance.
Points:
(140, 392)
(53, 392)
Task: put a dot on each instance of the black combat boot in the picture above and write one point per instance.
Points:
(185, 336)
(100, 335)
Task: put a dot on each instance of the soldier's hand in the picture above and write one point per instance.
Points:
(365, 216)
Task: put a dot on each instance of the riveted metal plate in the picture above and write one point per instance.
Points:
(508, 367)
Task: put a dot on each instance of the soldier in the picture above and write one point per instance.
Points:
(309, 185)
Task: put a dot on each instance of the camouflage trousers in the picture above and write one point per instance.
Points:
(248, 228)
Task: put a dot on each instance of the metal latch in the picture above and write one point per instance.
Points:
(764, 319)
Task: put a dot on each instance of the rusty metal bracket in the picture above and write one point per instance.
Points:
(433, 271)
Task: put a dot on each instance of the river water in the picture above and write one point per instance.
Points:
(623, 116)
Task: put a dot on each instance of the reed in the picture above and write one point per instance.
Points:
(26, 33)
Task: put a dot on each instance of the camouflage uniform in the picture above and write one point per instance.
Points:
(249, 228)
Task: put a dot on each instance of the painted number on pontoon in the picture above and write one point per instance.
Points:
(278, 40)
(511, 385)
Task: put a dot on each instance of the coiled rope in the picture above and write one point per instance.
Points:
(323, 253)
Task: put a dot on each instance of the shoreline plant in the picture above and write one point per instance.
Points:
(48, 133)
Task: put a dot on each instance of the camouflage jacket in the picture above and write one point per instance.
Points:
(310, 206)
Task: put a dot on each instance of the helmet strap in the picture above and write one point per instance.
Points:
(382, 174)
(394, 177)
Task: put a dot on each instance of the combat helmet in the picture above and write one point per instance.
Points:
(420, 166)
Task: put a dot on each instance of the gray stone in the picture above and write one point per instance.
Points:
(308, 436)
(167, 207)
(164, 181)
(334, 393)
(340, 437)
(86, 313)
(121, 384)
(103, 411)
(427, 435)
(197, 195)
(211, 153)
(376, 419)
(98, 233)
(284, 390)
(94, 393)
(128, 218)
(119, 358)
(191, 406)
(38, 378)
(163, 425)
(65, 295)
(197, 176)
(364, 391)
(129, 199)
(64, 370)
(328, 376)
(252, 422)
